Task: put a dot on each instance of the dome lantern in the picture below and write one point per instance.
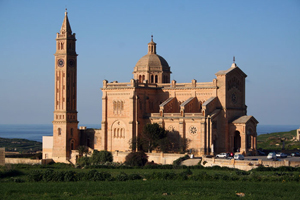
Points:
(152, 67)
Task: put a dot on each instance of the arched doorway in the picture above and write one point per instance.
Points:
(237, 141)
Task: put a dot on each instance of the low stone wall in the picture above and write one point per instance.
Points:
(248, 164)
(159, 158)
(22, 161)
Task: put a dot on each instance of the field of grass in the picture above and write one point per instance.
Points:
(274, 141)
(182, 183)
(20, 145)
(153, 189)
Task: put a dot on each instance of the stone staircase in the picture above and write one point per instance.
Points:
(191, 162)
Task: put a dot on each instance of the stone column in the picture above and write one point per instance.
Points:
(208, 135)
(203, 138)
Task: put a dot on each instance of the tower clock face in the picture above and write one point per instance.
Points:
(71, 62)
(60, 62)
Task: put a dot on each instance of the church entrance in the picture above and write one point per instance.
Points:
(237, 141)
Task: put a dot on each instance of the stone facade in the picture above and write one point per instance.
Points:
(211, 116)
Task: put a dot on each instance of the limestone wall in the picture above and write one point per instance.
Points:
(248, 164)
(159, 158)
(22, 161)
(2, 156)
(47, 146)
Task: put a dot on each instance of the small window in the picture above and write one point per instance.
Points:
(59, 131)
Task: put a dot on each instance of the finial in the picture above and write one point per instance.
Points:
(233, 59)
(66, 11)
(151, 38)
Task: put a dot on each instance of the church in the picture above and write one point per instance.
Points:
(211, 116)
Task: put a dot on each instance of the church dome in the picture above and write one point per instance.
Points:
(152, 62)
(152, 67)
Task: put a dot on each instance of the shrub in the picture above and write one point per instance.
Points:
(35, 175)
(10, 173)
(136, 159)
(90, 175)
(168, 176)
(158, 166)
(84, 161)
(58, 176)
(101, 176)
(48, 175)
(182, 176)
(122, 177)
(178, 161)
(69, 176)
(134, 177)
(100, 157)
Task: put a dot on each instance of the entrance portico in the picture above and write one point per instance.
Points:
(243, 135)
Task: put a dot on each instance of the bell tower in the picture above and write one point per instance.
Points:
(65, 124)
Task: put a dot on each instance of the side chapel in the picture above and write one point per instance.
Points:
(211, 115)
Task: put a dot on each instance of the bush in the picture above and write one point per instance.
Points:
(178, 161)
(84, 161)
(35, 175)
(134, 177)
(90, 175)
(122, 177)
(101, 176)
(136, 159)
(101, 157)
(69, 176)
(58, 176)
(48, 175)
(10, 173)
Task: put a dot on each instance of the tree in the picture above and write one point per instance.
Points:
(100, 157)
(82, 150)
(152, 137)
(136, 159)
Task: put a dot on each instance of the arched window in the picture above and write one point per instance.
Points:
(118, 107)
(59, 131)
(156, 78)
(143, 77)
(121, 107)
(121, 133)
(114, 107)
(151, 78)
(115, 134)
(118, 132)
(72, 145)
(140, 78)
(62, 46)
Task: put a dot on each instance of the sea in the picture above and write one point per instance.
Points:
(35, 132)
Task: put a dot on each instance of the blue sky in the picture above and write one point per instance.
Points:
(197, 38)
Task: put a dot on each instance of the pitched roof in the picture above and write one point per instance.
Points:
(244, 119)
(233, 67)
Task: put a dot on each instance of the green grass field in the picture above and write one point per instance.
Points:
(201, 183)
(154, 189)
(273, 141)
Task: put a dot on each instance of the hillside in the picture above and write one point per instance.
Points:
(274, 141)
(20, 145)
